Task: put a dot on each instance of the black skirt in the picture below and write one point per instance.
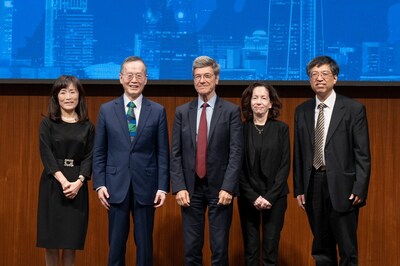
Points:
(62, 222)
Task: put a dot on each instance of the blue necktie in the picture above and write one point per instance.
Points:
(130, 116)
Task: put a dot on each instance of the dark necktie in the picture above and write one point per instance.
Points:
(130, 116)
(319, 138)
(201, 149)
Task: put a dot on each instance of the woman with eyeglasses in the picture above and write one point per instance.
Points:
(263, 181)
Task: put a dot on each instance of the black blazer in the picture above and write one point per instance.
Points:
(224, 148)
(347, 153)
(275, 163)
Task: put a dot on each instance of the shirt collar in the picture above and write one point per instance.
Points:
(211, 102)
(137, 101)
(329, 102)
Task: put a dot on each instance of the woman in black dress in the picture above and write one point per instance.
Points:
(263, 181)
(66, 139)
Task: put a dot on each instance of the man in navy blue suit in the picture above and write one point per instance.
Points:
(212, 182)
(131, 170)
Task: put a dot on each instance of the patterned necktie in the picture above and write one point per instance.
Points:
(130, 116)
(319, 138)
(201, 149)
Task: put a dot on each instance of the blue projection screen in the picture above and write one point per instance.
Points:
(251, 39)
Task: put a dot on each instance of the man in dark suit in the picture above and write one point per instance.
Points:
(331, 169)
(205, 165)
(131, 164)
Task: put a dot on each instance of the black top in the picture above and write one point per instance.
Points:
(266, 161)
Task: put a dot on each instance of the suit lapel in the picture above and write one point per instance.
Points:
(119, 109)
(143, 119)
(193, 119)
(215, 117)
(309, 117)
(337, 114)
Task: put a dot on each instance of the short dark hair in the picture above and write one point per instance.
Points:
(132, 59)
(205, 61)
(62, 82)
(247, 112)
(323, 60)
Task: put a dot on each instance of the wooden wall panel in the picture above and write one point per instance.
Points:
(20, 170)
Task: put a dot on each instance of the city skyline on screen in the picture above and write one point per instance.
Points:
(251, 40)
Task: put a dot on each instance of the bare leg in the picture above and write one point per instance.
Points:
(68, 257)
(52, 256)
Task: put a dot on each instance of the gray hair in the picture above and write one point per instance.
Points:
(133, 59)
(205, 61)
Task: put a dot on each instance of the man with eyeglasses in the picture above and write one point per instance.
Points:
(206, 159)
(131, 163)
(331, 165)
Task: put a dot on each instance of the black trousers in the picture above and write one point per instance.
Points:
(330, 228)
(193, 220)
(271, 222)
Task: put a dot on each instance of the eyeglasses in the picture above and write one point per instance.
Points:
(207, 77)
(324, 74)
(130, 76)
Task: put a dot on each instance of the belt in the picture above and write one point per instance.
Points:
(321, 169)
(69, 162)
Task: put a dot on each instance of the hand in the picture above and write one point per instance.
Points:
(301, 201)
(262, 204)
(182, 198)
(159, 199)
(103, 195)
(356, 199)
(225, 198)
(72, 188)
(65, 185)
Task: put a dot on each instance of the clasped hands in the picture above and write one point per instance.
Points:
(183, 198)
(262, 204)
(71, 189)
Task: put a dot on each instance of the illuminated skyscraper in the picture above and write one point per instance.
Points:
(167, 44)
(68, 35)
(178, 43)
(6, 21)
(379, 61)
(255, 53)
(295, 37)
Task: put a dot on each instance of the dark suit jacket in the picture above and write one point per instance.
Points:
(224, 148)
(145, 161)
(275, 163)
(347, 154)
